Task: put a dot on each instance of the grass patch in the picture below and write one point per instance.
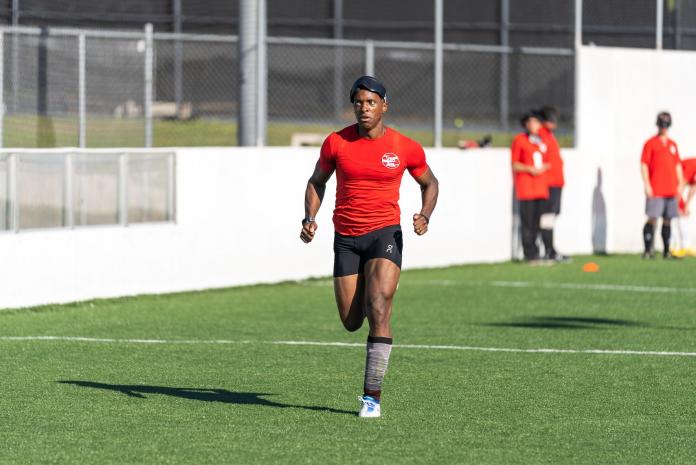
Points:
(30, 131)
(255, 402)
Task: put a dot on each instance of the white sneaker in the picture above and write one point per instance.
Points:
(370, 407)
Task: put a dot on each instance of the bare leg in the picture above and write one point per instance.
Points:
(349, 300)
(381, 279)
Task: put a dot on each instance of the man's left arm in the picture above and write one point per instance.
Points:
(430, 189)
(680, 179)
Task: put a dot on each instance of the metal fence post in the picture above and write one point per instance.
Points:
(248, 54)
(2, 86)
(81, 91)
(12, 191)
(578, 45)
(123, 189)
(261, 75)
(338, 59)
(178, 58)
(369, 57)
(504, 64)
(147, 104)
(15, 56)
(659, 14)
(578, 24)
(678, 24)
(438, 73)
(68, 208)
(171, 186)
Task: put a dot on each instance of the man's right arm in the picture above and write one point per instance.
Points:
(314, 194)
(520, 167)
(646, 179)
(689, 196)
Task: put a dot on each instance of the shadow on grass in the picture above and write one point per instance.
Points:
(205, 395)
(559, 322)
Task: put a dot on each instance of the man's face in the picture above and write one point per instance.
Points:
(533, 125)
(368, 107)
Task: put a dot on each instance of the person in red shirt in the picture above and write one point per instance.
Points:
(369, 159)
(555, 180)
(529, 167)
(663, 179)
(682, 244)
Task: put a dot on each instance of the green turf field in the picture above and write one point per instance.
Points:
(213, 385)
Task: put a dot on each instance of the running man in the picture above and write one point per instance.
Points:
(663, 179)
(369, 160)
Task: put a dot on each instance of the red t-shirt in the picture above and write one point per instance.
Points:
(661, 160)
(554, 175)
(368, 175)
(689, 167)
(529, 150)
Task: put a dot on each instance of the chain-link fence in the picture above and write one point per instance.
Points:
(71, 188)
(105, 89)
(95, 89)
(547, 23)
(69, 87)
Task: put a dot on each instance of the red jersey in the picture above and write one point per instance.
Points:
(529, 150)
(689, 167)
(661, 160)
(554, 175)
(368, 176)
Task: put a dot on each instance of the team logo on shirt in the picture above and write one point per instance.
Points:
(391, 160)
(673, 149)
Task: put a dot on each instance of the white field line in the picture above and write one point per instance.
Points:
(530, 284)
(350, 344)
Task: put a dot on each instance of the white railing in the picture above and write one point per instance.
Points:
(71, 188)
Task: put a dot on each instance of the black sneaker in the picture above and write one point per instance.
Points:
(670, 256)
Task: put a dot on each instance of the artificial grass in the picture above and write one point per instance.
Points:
(251, 401)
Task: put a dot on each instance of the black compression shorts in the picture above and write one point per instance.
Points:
(352, 252)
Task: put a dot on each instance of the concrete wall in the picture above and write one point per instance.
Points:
(238, 222)
(620, 92)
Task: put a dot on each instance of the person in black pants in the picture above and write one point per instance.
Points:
(529, 166)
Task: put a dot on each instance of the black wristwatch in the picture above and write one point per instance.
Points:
(307, 219)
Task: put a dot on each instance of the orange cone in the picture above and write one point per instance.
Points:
(590, 267)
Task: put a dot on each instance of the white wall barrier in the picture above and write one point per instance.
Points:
(238, 210)
(620, 92)
(238, 222)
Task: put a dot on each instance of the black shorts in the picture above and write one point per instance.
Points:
(553, 203)
(352, 252)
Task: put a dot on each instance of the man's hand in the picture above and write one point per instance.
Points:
(308, 230)
(420, 224)
(648, 190)
(534, 171)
